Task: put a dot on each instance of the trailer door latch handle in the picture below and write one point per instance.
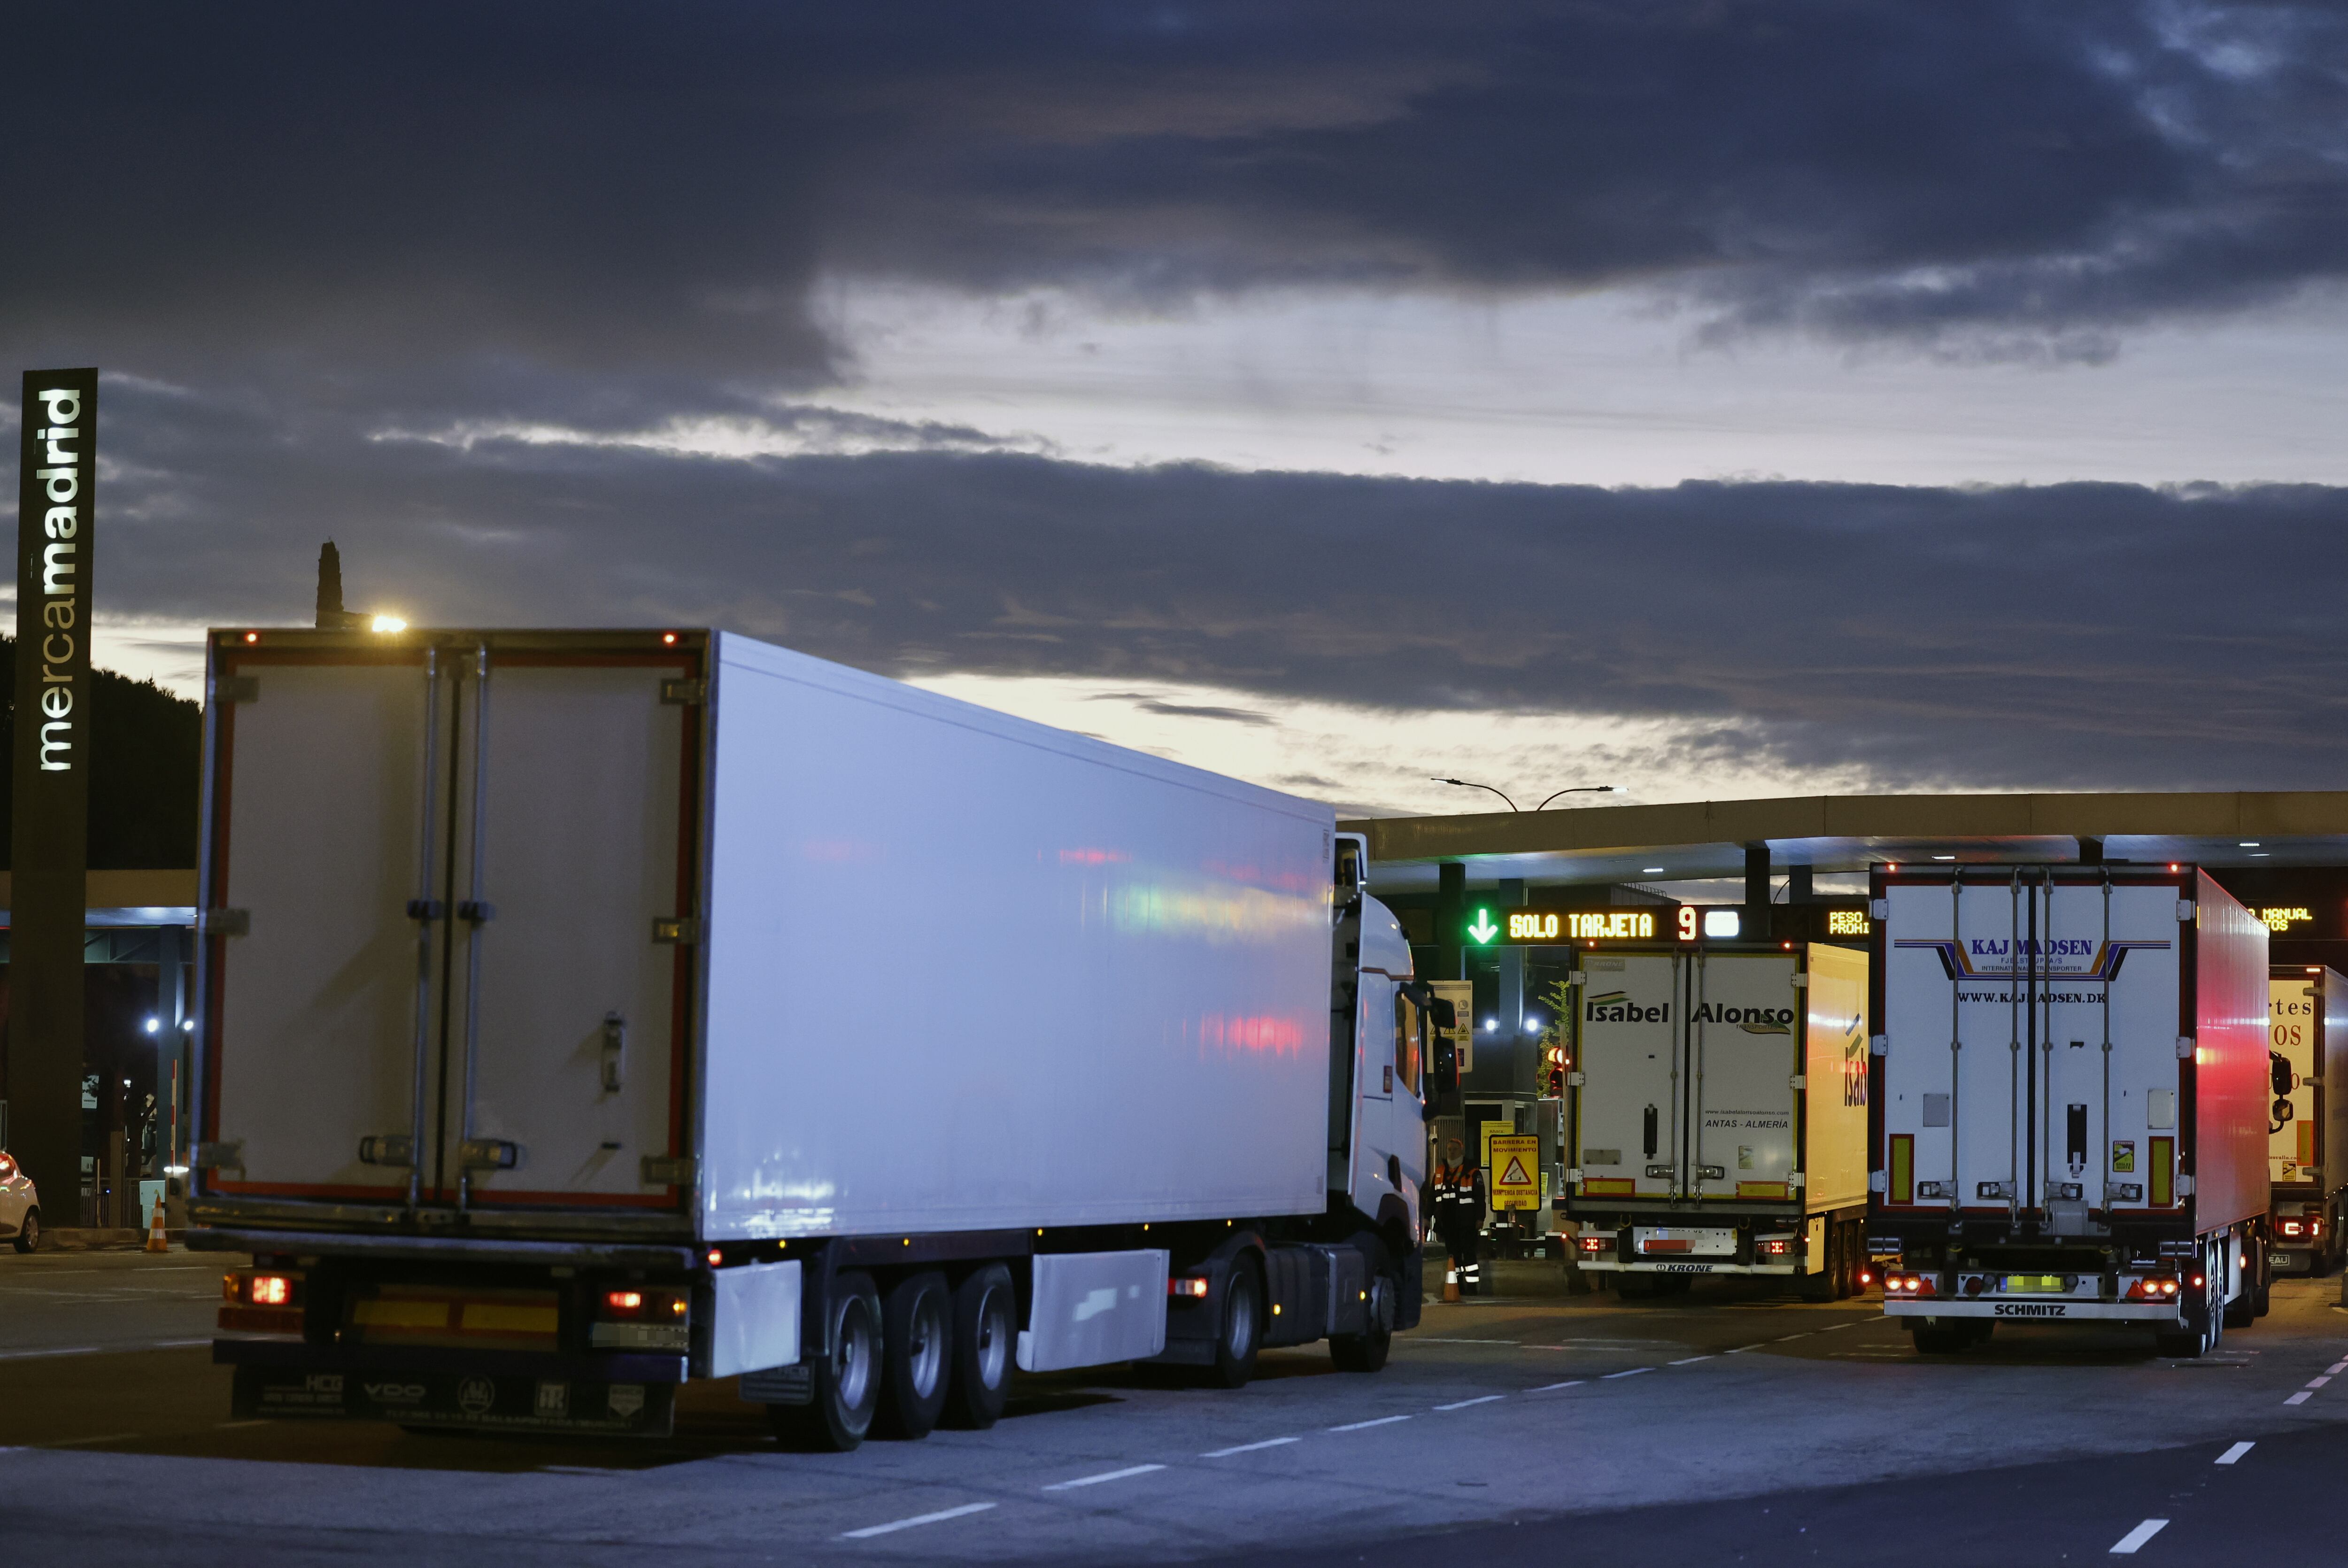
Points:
(668, 1170)
(679, 928)
(615, 1046)
(387, 1148)
(488, 1154)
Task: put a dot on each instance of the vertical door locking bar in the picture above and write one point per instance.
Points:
(476, 913)
(423, 910)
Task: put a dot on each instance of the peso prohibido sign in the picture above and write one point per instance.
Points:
(55, 520)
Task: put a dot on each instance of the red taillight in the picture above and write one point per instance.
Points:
(643, 1305)
(716, 1257)
(627, 1302)
(1777, 1249)
(1594, 1244)
(1186, 1286)
(1865, 1279)
(272, 1290)
(2151, 1289)
(2197, 1282)
(2293, 1228)
(1909, 1285)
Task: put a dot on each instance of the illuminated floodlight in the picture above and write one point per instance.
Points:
(1944, 857)
(1491, 1023)
(1531, 1022)
(388, 623)
(154, 1026)
(187, 1025)
(1722, 923)
(1650, 871)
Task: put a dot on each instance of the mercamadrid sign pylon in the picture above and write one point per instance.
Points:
(56, 528)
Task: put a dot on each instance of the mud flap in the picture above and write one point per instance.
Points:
(466, 1401)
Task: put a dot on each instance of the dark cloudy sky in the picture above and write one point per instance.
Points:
(1720, 398)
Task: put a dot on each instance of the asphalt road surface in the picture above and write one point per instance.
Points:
(1732, 1425)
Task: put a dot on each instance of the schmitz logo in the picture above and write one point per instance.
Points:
(2030, 1309)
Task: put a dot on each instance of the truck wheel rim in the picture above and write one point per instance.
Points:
(925, 1345)
(994, 1340)
(1243, 1336)
(851, 1355)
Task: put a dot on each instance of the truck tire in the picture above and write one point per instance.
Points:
(1818, 1287)
(2263, 1297)
(847, 1379)
(917, 1357)
(986, 1327)
(1242, 1328)
(1636, 1286)
(1367, 1351)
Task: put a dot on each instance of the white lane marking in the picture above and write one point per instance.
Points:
(869, 1530)
(1104, 1475)
(2234, 1453)
(1691, 1360)
(2301, 1398)
(1463, 1404)
(224, 1425)
(77, 1442)
(176, 1344)
(2336, 1368)
(30, 1354)
(2315, 1382)
(1803, 1334)
(1358, 1425)
(2127, 1544)
(1246, 1448)
(1430, 1339)
(1633, 1372)
(1551, 1387)
(1741, 1350)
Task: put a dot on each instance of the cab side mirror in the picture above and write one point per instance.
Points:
(1445, 1015)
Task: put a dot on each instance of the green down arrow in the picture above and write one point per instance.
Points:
(1483, 930)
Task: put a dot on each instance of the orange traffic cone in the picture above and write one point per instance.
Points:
(155, 1241)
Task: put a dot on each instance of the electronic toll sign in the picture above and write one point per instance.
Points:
(1494, 925)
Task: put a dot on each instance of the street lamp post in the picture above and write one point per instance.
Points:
(1570, 790)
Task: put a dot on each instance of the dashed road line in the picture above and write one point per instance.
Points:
(2301, 1398)
(1248, 1448)
(1104, 1475)
(2126, 1545)
(1742, 1349)
(66, 1351)
(1362, 1426)
(1803, 1334)
(1690, 1361)
(2234, 1454)
(1463, 1404)
(1633, 1372)
(1553, 1388)
(940, 1517)
(2315, 1382)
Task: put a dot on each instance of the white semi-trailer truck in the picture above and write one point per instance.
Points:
(584, 1012)
(2307, 1130)
(1718, 1115)
(2072, 1106)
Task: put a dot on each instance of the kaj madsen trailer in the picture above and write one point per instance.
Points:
(1719, 1115)
(585, 1011)
(2071, 1105)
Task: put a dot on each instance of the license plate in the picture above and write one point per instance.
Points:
(2034, 1285)
(2290, 1260)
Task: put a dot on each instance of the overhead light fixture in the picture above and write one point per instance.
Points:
(2248, 844)
(387, 623)
(1651, 871)
(1944, 857)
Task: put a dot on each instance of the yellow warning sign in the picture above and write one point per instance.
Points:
(1516, 1172)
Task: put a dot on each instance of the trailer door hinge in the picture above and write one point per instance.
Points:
(1875, 1181)
(1797, 1179)
(388, 1149)
(668, 1170)
(1800, 1080)
(227, 923)
(1574, 1080)
(1577, 976)
(2185, 1186)
(488, 1154)
(2184, 910)
(2184, 1048)
(685, 693)
(237, 689)
(1799, 982)
(1878, 1044)
(1879, 909)
(677, 929)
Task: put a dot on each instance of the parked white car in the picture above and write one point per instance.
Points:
(20, 1206)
